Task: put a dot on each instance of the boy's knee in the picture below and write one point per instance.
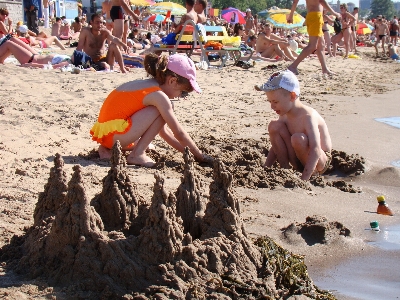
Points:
(275, 126)
(299, 140)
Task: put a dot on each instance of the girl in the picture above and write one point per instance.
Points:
(135, 112)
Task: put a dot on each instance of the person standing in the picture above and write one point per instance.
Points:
(249, 22)
(46, 13)
(314, 20)
(31, 8)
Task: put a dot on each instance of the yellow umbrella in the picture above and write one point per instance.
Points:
(163, 7)
(139, 2)
(277, 17)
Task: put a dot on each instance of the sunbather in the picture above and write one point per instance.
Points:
(27, 56)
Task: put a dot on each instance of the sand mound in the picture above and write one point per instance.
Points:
(92, 253)
(316, 230)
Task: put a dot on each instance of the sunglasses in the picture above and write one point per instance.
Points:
(184, 94)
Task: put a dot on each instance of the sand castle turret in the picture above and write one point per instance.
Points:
(190, 199)
(163, 234)
(222, 214)
(54, 192)
(118, 202)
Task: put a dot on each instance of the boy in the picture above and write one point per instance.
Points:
(300, 135)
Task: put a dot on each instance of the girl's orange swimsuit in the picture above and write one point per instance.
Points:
(115, 114)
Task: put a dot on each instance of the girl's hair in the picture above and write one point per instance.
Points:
(156, 66)
(4, 11)
(344, 5)
(236, 29)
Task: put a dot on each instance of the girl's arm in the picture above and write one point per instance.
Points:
(177, 137)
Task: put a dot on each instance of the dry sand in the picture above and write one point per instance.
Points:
(48, 112)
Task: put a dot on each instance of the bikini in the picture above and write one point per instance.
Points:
(116, 112)
(116, 13)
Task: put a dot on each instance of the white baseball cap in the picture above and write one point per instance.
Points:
(283, 79)
(23, 28)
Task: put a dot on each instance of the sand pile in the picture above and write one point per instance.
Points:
(316, 230)
(189, 246)
(245, 158)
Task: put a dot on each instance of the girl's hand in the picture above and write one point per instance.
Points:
(208, 159)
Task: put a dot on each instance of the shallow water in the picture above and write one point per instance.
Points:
(393, 121)
(370, 277)
(396, 163)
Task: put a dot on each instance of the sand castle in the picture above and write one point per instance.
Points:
(183, 245)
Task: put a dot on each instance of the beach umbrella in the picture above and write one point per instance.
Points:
(233, 15)
(364, 31)
(154, 18)
(263, 13)
(277, 17)
(139, 2)
(364, 25)
(164, 7)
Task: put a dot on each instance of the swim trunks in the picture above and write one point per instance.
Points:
(328, 162)
(115, 114)
(314, 22)
(116, 13)
(326, 166)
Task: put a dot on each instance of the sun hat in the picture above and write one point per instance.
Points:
(283, 79)
(184, 66)
(23, 28)
(248, 9)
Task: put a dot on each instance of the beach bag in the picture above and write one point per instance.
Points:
(337, 26)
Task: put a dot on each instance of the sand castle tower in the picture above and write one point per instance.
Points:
(54, 192)
(118, 202)
(190, 200)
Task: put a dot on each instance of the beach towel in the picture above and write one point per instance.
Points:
(133, 61)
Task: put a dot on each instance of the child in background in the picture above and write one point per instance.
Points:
(135, 112)
(299, 136)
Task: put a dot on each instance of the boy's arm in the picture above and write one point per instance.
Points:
(289, 17)
(314, 143)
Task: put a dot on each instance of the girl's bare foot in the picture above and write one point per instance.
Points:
(142, 160)
(104, 153)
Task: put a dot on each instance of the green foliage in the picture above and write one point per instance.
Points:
(382, 7)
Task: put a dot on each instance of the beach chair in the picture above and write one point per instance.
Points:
(187, 43)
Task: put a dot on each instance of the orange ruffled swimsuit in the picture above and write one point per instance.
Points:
(115, 114)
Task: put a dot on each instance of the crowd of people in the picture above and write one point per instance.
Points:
(120, 34)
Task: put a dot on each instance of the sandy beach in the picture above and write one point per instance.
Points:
(45, 112)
